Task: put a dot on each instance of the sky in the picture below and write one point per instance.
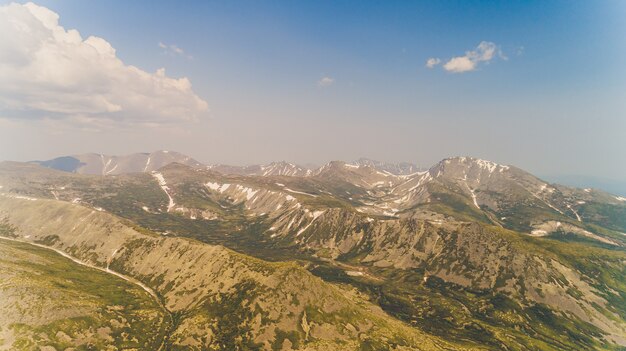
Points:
(536, 84)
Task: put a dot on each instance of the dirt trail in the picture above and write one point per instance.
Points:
(109, 271)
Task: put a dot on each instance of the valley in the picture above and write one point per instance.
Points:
(482, 255)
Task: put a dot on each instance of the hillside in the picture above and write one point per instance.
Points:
(217, 298)
(469, 250)
(47, 300)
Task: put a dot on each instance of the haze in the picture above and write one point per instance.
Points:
(539, 85)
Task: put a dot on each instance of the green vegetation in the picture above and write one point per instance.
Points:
(605, 215)
(446, 268)
(66, 305)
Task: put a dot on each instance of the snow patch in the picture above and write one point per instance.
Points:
(471, 193)
(315, 215)
(112, 169)
(104, 172)
(543, 187)
(163, 184)
(22, 197)
(250, 193)
(299, 192)
(212, 186)
(424, 177)
(488, 165)
(407, 176)
(147, 163)
(575, 213)
(474, 198)
(354, 273)
(291, 223)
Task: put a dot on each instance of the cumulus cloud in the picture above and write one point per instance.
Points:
(48, 72)
(174, 50)
(432, 62)
(484, 53)
(326, 81)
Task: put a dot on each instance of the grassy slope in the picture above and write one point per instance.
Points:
(62, 304)
(445, 308)
(495, 319)
(221, 299)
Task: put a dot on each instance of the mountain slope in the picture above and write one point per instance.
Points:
(220, 299)
(46, 300)
(468, 250)
(400, 168)
(111, 165)
(273, 169)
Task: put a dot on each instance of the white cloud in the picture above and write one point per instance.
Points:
(326, 81)
(484, 52)
(173, 49)
(460, 64)
(48, 72)
(432, 62)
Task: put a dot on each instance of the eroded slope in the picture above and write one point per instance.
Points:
(219, 298)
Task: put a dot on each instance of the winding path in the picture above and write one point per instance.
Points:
(109, 271)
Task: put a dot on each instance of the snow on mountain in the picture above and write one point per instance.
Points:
(112, 165)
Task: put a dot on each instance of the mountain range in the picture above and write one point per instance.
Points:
(109, 165)
(466, 254)
(147, 162)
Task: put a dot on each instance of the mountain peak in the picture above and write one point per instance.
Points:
(398, 168)
(101, 164)
(466, 164)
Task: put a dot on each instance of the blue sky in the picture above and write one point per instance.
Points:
(551, 100)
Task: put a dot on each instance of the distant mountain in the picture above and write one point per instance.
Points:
(147, 162)
(400, 168)
(111, 165)
(289, 169)
(273, 169)
(612, 186)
